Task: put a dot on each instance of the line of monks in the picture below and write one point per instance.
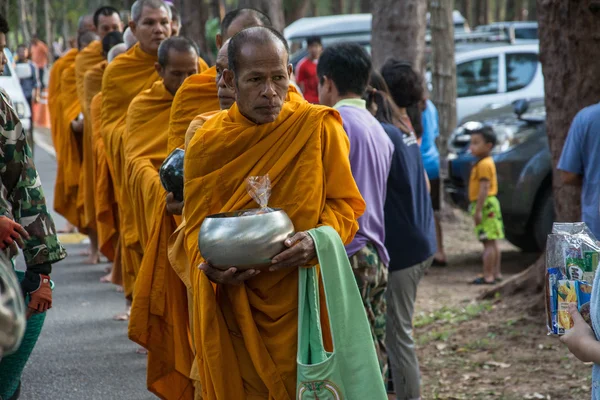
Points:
(118, 110)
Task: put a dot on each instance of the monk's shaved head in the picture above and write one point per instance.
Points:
(138, 7)
(116, 51)
(176, 44)
(85, 39)
(177, 60)
(255, 36)
(86, 24)
(238, 20)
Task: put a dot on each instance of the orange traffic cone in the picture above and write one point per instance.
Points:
(41, 114)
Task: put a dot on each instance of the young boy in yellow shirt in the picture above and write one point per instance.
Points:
(485, 207)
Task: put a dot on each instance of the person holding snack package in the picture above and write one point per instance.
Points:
(485, 207)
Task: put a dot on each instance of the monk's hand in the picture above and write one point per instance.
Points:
(301, 251)
(229, 276)
(174, 207)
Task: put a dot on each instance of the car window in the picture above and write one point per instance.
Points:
(526, 33)
(520, 70)
(6, 71)
(477, 77)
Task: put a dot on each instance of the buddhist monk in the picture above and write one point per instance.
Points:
(68, 151)
(129, 38)
(245, 322)
(160, 325)
(198, 93)
(106, 20)
(175, 20)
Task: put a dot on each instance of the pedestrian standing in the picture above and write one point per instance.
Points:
(409, 223)
(306, 72)
(31, 84)
(40, 55)
(343, 72)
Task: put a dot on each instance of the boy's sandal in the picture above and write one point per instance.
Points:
(481, 281)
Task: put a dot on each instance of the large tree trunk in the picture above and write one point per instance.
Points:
(194, 14)
(481, 12)
(399, 31)
(531, 10)
(337, 7)
(509, 12)
(443, 71)
(365, 6)
(568, 41)
(273, 8)
(296, 10)
(498, 10)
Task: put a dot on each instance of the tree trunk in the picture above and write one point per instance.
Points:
(443, 69)
(468, 12)
(509, 12)
(568, 41)
(519, 10)
(34, 19)
(194, 14)
(337, 7)
(297, 9)
(48, 28)
(217, 9)
(65, 24)
(23, 19)
(273, 8)
(531, 10)
(399, 31)
(365, 6)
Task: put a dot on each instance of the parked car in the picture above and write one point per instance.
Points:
(497, 75)
(10, 83)
(521, 30)
(523, 165)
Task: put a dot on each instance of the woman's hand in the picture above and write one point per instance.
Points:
(580, 339)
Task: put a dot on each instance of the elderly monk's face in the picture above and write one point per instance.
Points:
(108, 24)
(261, 80)
(153, 27)
(180, 66)
(175, 27)
(226, 94)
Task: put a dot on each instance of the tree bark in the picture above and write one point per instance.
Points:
(194, 14)
(365, 6)
(34, 18)
(569, 50)
(498, 10)
(217, 9)
(399, 31)
(443, 71)
(532, 10)
(296, 10)
(23, 19)
(510, 13)
(481, 12)
(273, 8)
(337, 7)
(48, 28)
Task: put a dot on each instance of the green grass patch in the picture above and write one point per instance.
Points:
(452, 315)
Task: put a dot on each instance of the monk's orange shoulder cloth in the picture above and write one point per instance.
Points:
(67, 152)
(105, 204)
(54, 89)
(159, 315)
(197, 95)
(89, 69)
(306, 154)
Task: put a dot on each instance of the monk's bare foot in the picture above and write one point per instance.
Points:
(93, 259)
(106, 278)
(120, 289)
(85, 253)
(141, 350)
(124, 316)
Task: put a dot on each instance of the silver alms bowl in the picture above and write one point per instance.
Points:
(245, 242)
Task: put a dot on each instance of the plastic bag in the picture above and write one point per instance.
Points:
(259, 188)
(572, 256)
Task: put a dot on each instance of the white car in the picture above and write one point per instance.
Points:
(10, 83)
(495, 76)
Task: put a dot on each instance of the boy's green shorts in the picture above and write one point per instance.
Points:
(491, 227)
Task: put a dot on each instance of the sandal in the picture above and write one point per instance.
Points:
(481, 281)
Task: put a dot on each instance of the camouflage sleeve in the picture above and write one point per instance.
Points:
(21, 194)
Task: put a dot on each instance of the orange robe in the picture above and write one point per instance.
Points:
(86, 61)
(197, 95)
(246, 336)
(67, 152)
(159, 313)
(54, 90)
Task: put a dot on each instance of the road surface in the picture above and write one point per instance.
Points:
(82, 353)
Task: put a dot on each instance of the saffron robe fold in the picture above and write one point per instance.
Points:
(89, 60)
(67, 152)
(250, 331)
(54, 91)
(105, 203)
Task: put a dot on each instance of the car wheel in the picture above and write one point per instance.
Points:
(543, 218)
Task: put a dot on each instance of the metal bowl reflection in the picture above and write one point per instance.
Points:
(171, 173)
(244, 241)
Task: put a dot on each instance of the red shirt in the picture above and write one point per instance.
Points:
(306, 77)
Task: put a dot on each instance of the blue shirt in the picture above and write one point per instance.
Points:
(581, 155)
(409, 227)
(429, 151)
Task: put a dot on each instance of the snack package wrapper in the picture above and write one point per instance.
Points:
(571, 263)
(259, 188)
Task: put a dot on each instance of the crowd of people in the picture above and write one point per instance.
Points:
(343, 148)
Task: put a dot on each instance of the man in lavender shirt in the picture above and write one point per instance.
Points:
(343, 73)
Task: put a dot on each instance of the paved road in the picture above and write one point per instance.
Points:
(82, 353)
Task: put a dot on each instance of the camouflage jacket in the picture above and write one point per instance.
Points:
(21, 194)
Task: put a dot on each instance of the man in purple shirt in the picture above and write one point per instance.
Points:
(343, 73)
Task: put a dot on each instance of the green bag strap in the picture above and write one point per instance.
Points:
(350, 330)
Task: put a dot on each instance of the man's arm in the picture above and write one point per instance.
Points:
(569, 178)
(570, 164)
(484, 189)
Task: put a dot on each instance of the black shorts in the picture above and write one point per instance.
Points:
(436, 199)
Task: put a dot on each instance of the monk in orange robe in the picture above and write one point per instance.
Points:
(158, 323)
(54, 89)
(198, 93)
(245, 323)
(68, 144)
(106, 21)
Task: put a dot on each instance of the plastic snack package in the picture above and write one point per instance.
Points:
(259, 188)
(572, 255)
